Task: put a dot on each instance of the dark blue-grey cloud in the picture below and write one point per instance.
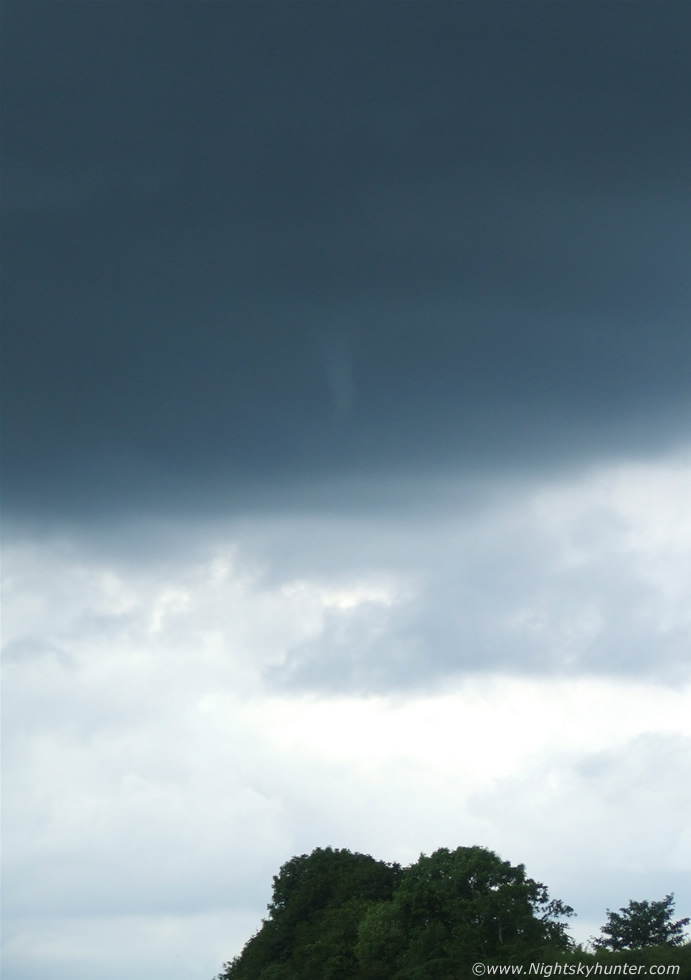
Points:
(250, 248)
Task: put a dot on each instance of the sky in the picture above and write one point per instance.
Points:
(346, 458)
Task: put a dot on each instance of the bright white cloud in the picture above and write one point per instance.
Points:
(154, 783)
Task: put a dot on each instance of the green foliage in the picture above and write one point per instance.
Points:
(642, 924)
(328, 878)
(457, 907)
(381, 940)
(325, 947)
(311, 931)
(336, 915)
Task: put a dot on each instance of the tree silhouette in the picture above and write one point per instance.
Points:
(642, 924)
(338, 915)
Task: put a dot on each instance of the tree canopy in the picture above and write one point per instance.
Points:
(642, 924)
(317, 904)
(339, 915)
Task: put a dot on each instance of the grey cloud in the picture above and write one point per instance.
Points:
(503, 596)
(474, 580)
(55, 187)
(490, 208)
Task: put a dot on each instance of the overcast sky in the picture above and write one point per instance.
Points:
(347, 457)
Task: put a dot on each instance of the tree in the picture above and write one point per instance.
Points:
(454, 908)
(381, 940)
(311, 929)
(336, 915)
(642, 924)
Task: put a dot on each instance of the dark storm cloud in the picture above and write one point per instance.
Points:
(250, 244)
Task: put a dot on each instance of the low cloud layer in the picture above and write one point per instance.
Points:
(563, 581)
(581, 577)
